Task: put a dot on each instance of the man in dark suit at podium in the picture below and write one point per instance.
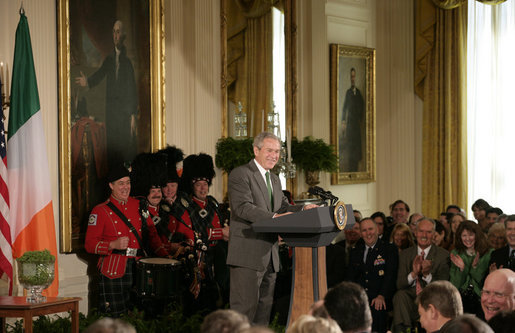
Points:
(373, 265)
(255, 194)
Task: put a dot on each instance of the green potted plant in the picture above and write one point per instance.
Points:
(231, 153)
(313, 155)
(36, 272)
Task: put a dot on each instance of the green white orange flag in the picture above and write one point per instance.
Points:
(31, 213)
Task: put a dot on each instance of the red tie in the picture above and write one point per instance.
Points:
(418, 286)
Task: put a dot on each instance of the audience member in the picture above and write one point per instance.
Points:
(109, 325)
(399, 211)
(455, 222)
(412, 222)
(479, 208)
(318, 309)
(418, 266)
(373, 265)
(497, 236)
(438, 303)
(224, 321)
(402, 237)
(310, 324)
(256, 329)
(492, 214)
(501, 218)
(469, 264)
(466, 323)
(380, 220)
(357, 215)
(440, 237)
(498, 292)
(505, 256)
(455, 209)
(442, 218)
(503, 321)
(347, 303)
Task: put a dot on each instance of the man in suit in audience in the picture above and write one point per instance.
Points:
(348, 305)
(255, 194)
(418, 266)
(505, 256)
(399, 213)
(373, 264)
(498, 292)
(438, 303)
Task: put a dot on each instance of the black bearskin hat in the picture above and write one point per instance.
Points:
(197, 167)
(119, 171)
(173, 156)
(148, 171)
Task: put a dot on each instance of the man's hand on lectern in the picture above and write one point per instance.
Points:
(279, 215)
(310, 206)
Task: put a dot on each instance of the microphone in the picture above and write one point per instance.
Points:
(325, 195)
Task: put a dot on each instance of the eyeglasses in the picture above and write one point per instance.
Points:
(495, 294)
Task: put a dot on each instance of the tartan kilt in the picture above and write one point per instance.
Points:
(115, 294)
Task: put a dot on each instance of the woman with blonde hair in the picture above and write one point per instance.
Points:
(497, 236)
(310, 324)
(401, 236)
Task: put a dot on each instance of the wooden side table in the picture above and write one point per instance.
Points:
(17, 306)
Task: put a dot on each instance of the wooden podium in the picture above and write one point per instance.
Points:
(307, 232)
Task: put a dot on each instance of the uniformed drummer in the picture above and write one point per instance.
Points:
(200, 223)
(115, 234)
(171, 204)
(147, 176)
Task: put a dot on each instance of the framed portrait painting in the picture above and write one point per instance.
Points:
(352, 94)
(111, 99)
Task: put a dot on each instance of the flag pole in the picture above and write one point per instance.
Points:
(22, 10)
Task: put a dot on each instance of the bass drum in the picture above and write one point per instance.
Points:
(158, 277)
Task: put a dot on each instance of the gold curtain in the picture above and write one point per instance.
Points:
(440, 80)
(249, 53)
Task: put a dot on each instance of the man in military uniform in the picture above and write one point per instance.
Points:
(115, 234)
(373, 265)
(200, 224)
(147, 177)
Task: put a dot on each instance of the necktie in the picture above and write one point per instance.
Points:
(418, 286)
(269, 187)
(512, 260)
(368, 254)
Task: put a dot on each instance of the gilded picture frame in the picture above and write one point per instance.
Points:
(111, 99)
(352, 113)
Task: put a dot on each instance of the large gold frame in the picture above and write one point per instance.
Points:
(290, 32)
(342, 57)
(157, 103)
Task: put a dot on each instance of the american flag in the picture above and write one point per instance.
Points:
(6, 256)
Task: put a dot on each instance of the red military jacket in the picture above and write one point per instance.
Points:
(104, 226)
(214, 231)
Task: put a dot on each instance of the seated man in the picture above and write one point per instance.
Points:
(505, 256)
(373, 265)
(418, 266)
(438, 303)
(498, 292)
(347, 304)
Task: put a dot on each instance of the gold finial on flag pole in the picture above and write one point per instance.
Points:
(22, 10)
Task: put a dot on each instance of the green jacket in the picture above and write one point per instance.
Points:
(470, 276)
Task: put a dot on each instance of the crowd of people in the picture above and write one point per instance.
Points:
(395, 258)
(389, 267)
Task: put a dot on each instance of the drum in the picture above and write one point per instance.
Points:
(158, 277)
